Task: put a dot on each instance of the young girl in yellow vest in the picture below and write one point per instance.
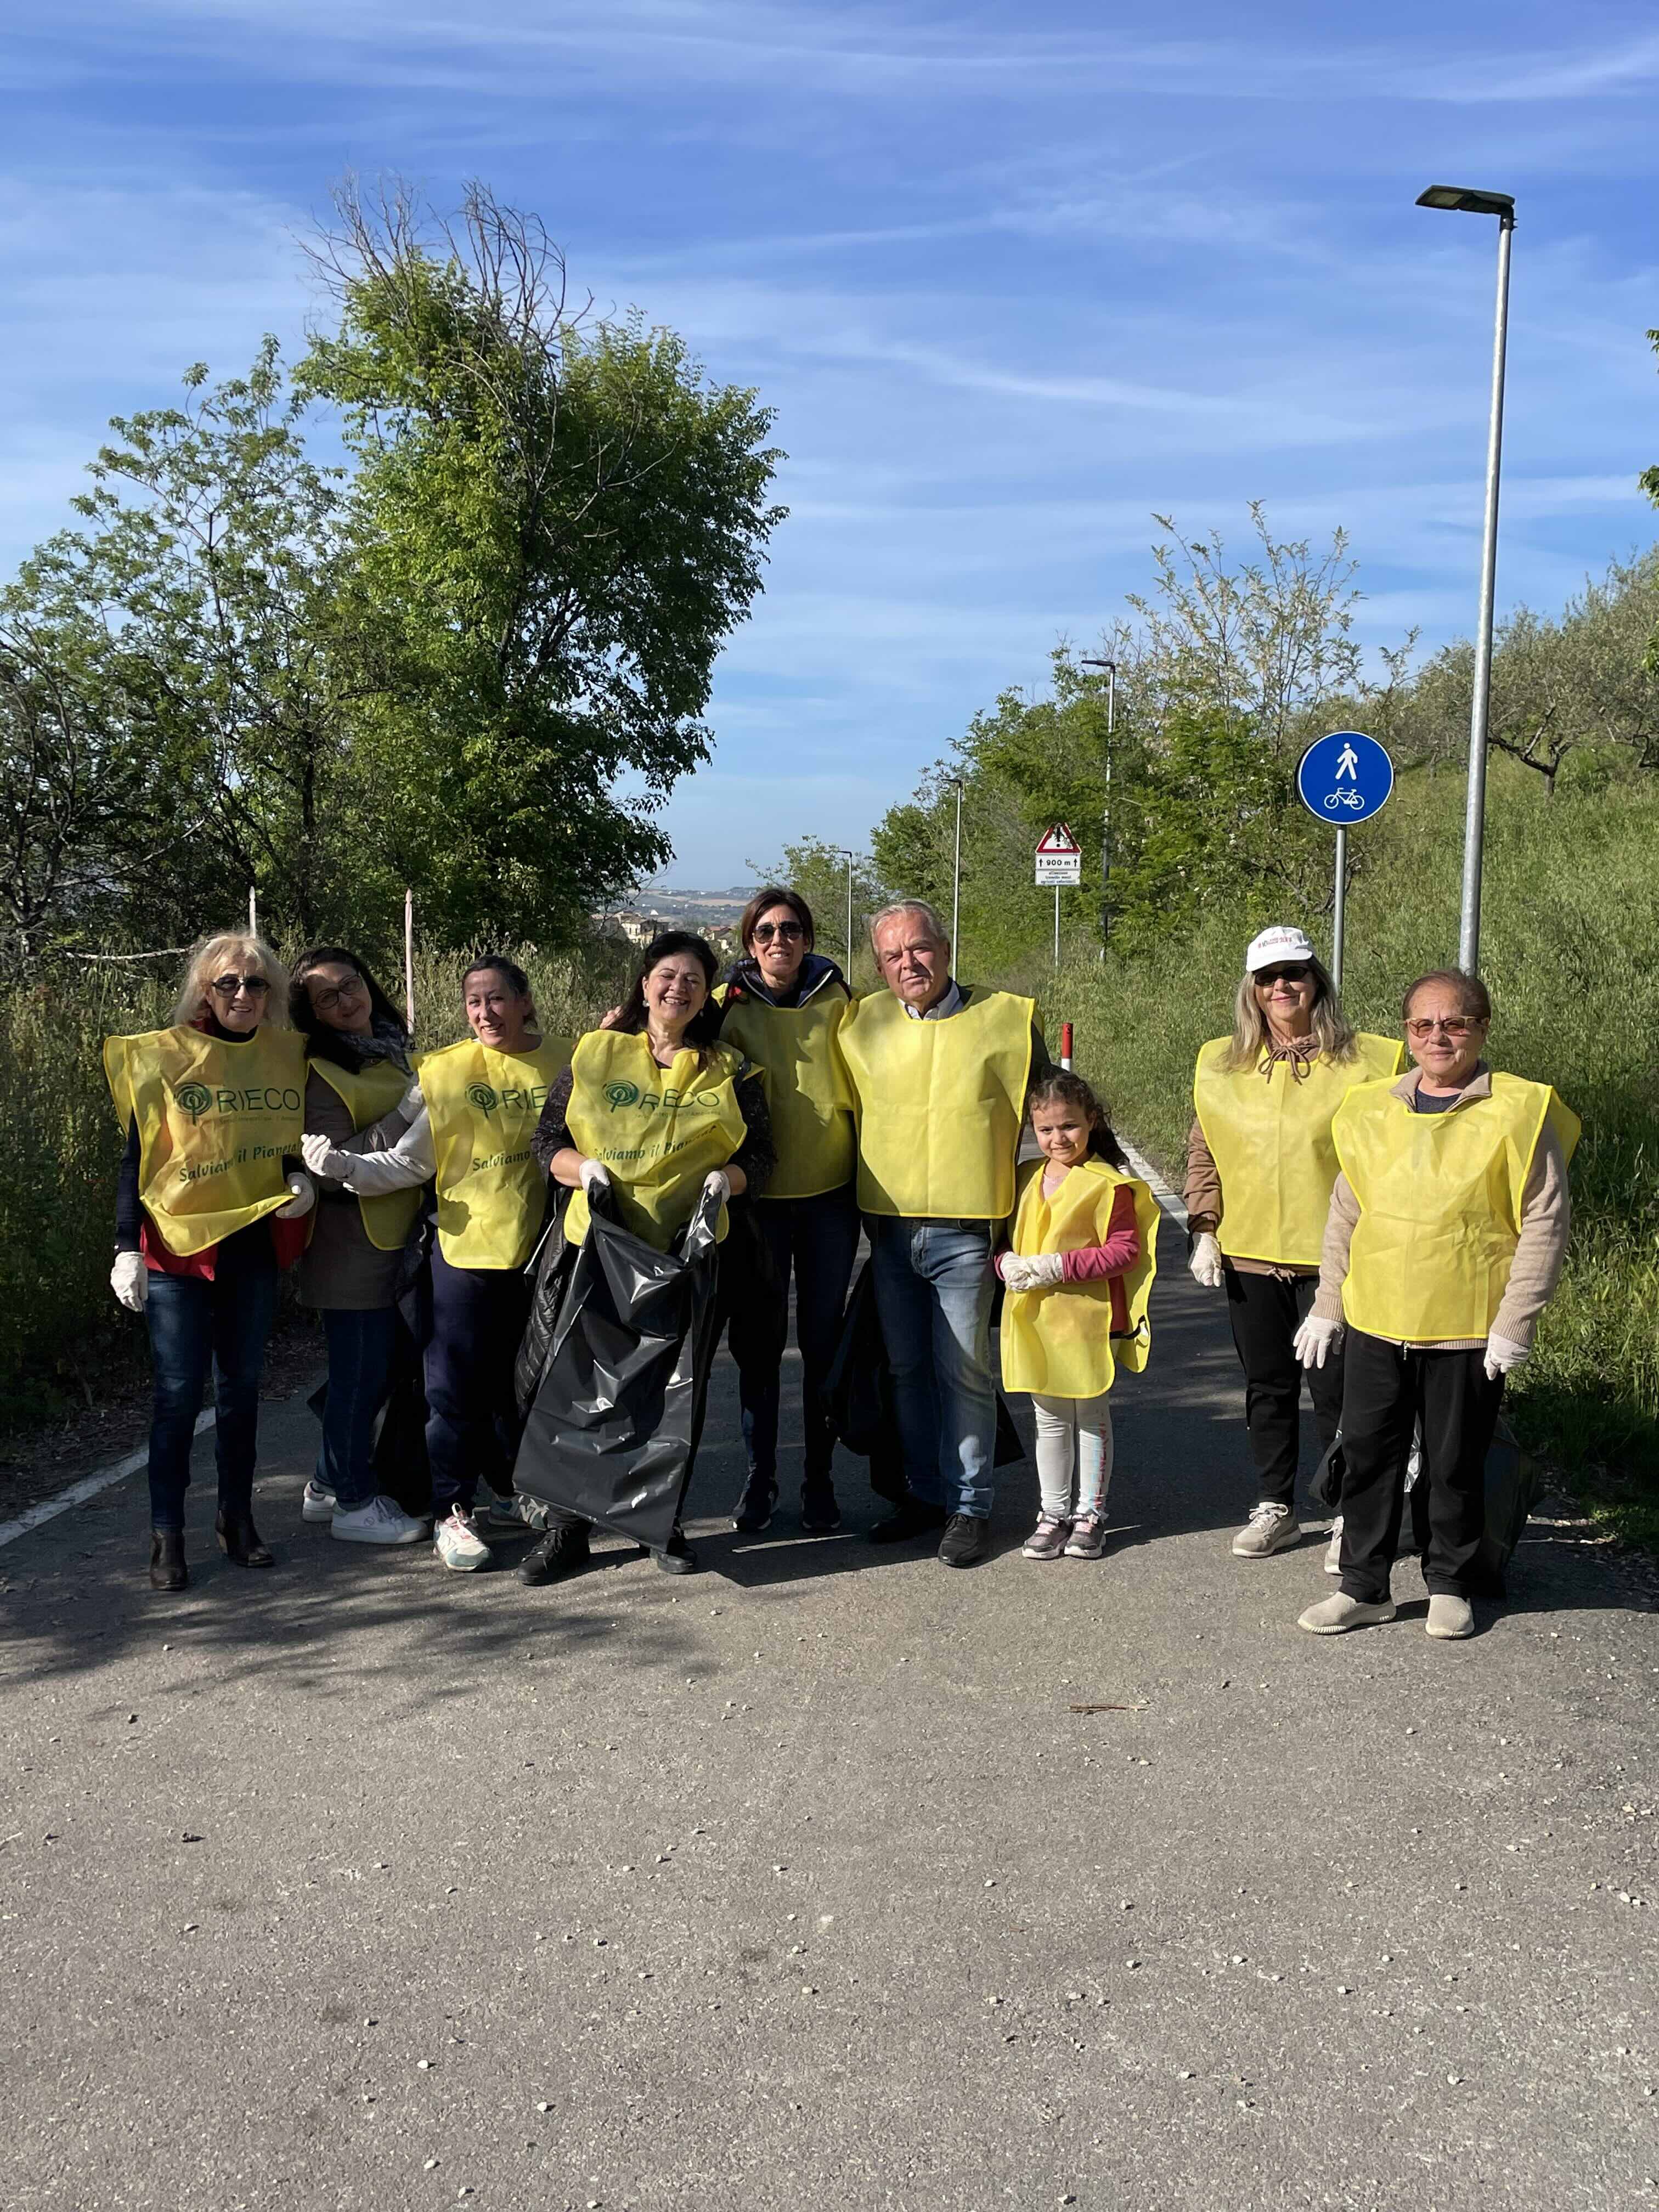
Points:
(1078, 1270)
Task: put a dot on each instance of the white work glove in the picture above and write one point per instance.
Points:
(325, 1159)
(1035, 1271)
(1205, 1266)
(717, 1184)
(1504, 1355)
(303, 1198)
(1313, 1340)
(593, 1175)
(130, 1281)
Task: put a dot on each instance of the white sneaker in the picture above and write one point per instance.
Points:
(380, 1522)
(1334, 1549)
(458, 1544)
(1270, 1528)
(317, 1503)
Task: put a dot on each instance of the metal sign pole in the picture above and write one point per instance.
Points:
(408, 959)
(1338, 906)
(1056, 928)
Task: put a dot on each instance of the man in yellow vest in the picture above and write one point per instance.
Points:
(1445, 1239)
(940, 1072)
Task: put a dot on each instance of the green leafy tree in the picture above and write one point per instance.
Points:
(556, 522)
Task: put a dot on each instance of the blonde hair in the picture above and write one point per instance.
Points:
(1251, 1034)
(207, 958)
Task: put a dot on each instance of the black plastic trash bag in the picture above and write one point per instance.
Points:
(612, 1429)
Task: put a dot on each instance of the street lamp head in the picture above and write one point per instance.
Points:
(1464, 199)
(1086, 663)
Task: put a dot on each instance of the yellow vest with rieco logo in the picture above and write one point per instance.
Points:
(939, 1105)
(215, 1120)
(369, 1093)
(1440, 1199)
(659, 1131)
(1058, 1340)
(1269, 1134)
(807, 1092)
(483, 1106)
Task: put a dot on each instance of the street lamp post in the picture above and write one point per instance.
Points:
(956, 885)
(1502, 204)
(848, 858)
(1110, 666)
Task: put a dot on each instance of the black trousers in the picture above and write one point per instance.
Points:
(1265, 1314)
(1387, 1389)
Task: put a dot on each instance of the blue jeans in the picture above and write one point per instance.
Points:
(478, 1316)
(933, 1293)
(195, 1324)
(359, 1368)
(820, 1236)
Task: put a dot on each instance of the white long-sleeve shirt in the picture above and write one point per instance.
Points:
(399, 1164)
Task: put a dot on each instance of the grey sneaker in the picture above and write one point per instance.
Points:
(1336, 1614)
(1270, 1528)
(1449, 1617)
(512, 1513)
(1088, 1538)
(1334, 1549)
(1048, 1540)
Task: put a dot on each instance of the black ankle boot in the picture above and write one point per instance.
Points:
(167, 1569)
(240, 1540)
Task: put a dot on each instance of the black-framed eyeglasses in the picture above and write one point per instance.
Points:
(766, 931)
(326, 1001)
(1298, 972)
(227, 987)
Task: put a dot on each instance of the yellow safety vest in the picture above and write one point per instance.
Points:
(370, 1093)
(1439, 1205)
(1270, 1137)
(215, 1120)
(939, 1105)
(483, 1107)
(807, 1092)
(1058, 1341)
(658, 1130)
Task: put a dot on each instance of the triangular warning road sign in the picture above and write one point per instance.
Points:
(1058, 840)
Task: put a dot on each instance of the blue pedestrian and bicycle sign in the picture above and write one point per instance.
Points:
(1344, 779)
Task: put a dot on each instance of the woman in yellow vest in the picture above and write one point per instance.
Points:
(1078, 1270)
(656, 1110)
(360, 1070)
(467, 1124)
(1259, 1167)
(209, 1207)
(782, 1007)
(1445, 1240)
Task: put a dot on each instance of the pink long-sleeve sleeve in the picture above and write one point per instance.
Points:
(1095, 1263)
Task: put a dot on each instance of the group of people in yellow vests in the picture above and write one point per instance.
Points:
(1389, 1234)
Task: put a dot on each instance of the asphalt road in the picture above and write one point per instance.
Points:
(806, 1883)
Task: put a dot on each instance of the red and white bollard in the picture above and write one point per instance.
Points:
(1066, 1046)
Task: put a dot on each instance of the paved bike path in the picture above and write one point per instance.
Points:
(806, 1883)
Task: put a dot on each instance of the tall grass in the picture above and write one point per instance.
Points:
(1569, 949)
(59, 1324)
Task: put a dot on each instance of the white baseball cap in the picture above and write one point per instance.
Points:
(1275, 944)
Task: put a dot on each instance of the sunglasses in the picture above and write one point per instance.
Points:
(766, 931)
(227, 987)
(1298, 972)
(1456, 1025)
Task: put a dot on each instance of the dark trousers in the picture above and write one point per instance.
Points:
(478, 1316)
(359, 1372)
(195, 1324)
(1387, 1390)
(819, 1238)
(1265, 1314)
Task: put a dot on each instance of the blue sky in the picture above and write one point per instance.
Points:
(1011, 276)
